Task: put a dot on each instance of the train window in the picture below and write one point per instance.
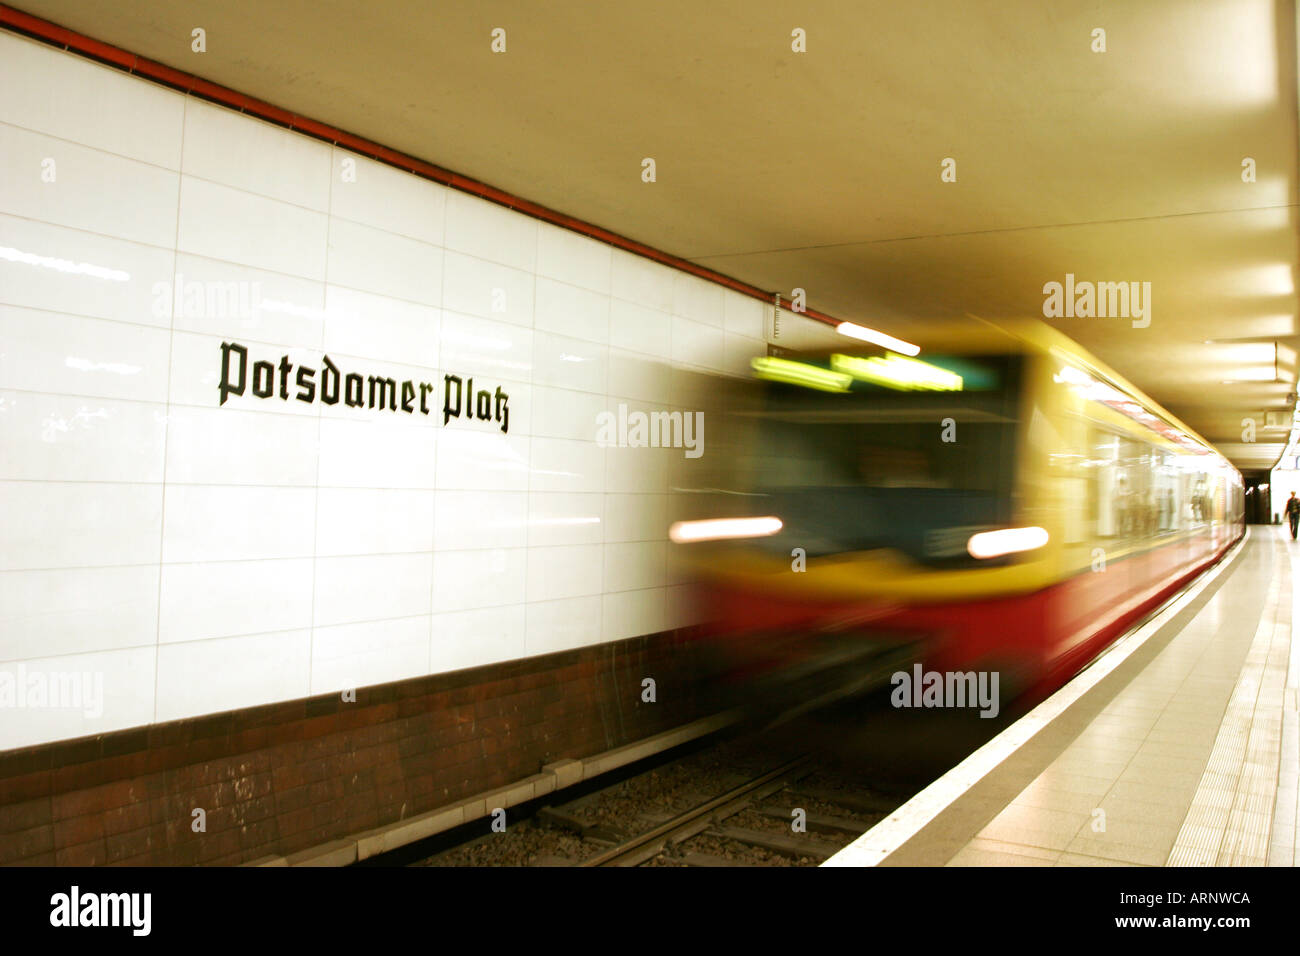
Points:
(1107, 481)
(1167, 493)
(881, 468)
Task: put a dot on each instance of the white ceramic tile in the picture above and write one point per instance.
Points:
(697, 344)
(573, 258)
(565, 362)
(105, 691)
(463, 580)
(228, 598)
(682, 610)
(541, 540)
(381, 328)
(373, 652)
(77, 610)
(635, 565)
(65, 354)
(632, 517)
(369, 454)
(569, 310)
(372, 587)
(633, 614)
(57, 269)
(563, 625)
(231, 446)
(483, 229)
(564, 413)
(564, 572)
(739, 353)
(467, 520)
(66, 438)
(206, 676)
(475, 346)
(463, 639)
(369, 259)
(562, 465)
(75, 99)
(387, 198)
(482, 460)
(698, 299)
(242, 304)
(639, 377)
(696, 389)
(249, 154)
(68, 524)
(743, 315)
(641, 470)
(636, 279)
(219, 222)
(487, 289)
(638, 329)
(373, 521)
(90, 189)
(557, 519)
(221, 523)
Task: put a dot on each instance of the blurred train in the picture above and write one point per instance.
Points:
(1002, 502)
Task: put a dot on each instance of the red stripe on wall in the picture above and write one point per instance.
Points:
(52, 33)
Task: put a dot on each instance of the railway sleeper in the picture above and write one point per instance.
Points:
(777, 843)
(708, 859)
(841, 826)
(589, 832)
(863, 803)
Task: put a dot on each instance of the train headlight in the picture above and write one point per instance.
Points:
(718, 529)
(994, 544)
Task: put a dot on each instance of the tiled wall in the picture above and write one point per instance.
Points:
(288, 777)
(205, 557)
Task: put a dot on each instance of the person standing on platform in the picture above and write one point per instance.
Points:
(1293, 514)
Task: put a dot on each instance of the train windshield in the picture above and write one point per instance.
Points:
(885, 463)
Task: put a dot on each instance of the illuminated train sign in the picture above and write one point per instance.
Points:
(273, 380)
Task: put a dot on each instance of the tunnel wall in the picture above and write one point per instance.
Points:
(282, 778)
(222, 591)
(198, 550)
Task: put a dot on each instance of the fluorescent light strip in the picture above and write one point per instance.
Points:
(855, 331)
(798, 373)
(895, 371)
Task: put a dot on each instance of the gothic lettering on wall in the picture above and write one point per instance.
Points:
(331, 385)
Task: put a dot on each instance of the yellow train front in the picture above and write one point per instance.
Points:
(1000, 503)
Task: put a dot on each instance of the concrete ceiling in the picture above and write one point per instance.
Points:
(821, 170)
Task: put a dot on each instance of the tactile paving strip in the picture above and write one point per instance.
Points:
(1230, 820)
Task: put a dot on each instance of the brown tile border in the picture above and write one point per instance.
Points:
(280, 778)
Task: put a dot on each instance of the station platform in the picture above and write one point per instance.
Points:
(1177, 747)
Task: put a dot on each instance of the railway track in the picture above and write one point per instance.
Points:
(734, 803)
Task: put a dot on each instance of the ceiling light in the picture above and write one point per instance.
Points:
(800, 373)
(855, 331)
(898, 372)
